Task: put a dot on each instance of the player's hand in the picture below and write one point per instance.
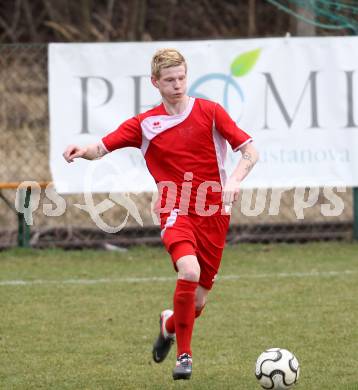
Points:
(72, 152)
(231, 191)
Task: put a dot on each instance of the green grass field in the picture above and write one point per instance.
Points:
(87, 319)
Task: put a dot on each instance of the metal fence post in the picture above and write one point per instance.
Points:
(23, 232)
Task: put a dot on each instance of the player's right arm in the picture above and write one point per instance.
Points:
(128, 134)
(89, 152)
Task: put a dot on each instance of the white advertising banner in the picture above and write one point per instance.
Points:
(297, 97)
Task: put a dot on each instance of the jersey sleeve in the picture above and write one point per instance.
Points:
(229, 130)
(129, 133)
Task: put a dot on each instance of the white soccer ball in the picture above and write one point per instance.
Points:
(277, 369)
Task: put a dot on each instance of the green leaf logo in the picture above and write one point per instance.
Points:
(243, 63)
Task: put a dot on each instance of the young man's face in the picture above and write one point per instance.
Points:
(172, 83)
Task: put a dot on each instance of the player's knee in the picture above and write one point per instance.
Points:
(188, 268)
(190, 274)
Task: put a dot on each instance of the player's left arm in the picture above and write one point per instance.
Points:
(239, 141)
(249, 157)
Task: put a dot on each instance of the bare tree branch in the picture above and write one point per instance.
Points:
(171, 12)
(132, 20)
(141, 17)
(251, 31)
(85, 23)
(52, 14)
(107, 26)
(30, 21)
(17, 14)
(66, 32)
(11, 29)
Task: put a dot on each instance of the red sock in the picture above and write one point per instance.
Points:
(184, 309)
(170, 322)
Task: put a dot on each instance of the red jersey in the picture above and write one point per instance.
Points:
(184, 153)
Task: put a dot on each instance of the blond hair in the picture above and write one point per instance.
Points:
(166, 58)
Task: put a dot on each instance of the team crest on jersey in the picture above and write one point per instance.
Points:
(156, 125)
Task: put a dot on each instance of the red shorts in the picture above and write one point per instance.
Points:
(203, 237)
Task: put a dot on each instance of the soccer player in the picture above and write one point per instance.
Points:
(183, 141)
